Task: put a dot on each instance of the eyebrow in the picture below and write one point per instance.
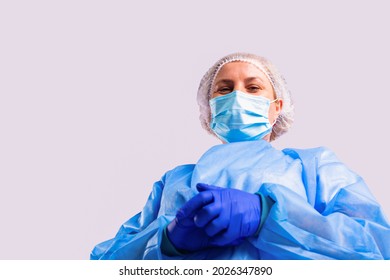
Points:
(254, 78)
(224, 81)
(249, 79)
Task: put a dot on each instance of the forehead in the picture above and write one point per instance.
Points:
(240, 70)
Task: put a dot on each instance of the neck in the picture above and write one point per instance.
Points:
(267, 137)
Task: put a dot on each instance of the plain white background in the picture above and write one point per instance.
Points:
(98, 101)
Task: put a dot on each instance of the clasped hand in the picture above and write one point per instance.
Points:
(215, 217)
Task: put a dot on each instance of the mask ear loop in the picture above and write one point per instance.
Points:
(277, 99)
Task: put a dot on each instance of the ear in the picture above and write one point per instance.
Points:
(278, 106)
(274, 113)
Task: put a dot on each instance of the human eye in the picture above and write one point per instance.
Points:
(253, 88)
(224, 90)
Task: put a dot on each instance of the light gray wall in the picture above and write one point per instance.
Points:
(98, 101)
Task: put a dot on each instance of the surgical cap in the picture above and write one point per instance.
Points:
(286, 116)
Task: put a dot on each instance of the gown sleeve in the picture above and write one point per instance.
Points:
(139, 237)
(340, 219)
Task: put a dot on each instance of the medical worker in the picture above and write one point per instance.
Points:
(245, 199)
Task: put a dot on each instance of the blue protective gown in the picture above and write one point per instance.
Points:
(322, 210)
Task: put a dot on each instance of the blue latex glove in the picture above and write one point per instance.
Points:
(226, 215)
(184, 234)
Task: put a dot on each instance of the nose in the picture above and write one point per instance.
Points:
(240, 87)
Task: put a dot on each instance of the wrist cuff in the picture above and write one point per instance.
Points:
(265, 203)
(167, 247)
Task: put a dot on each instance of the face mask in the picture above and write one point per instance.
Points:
(238, 116)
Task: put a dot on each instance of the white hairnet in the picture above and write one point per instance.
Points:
(285, 118)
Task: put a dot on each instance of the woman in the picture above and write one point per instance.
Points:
(246, 200)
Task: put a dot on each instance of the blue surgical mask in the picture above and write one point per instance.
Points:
(239, 116)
